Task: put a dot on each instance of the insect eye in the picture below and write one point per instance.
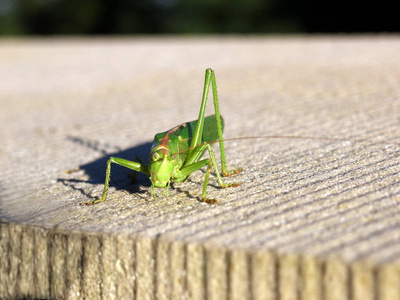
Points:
(155, 156)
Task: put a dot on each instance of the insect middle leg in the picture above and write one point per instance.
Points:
(209, 162)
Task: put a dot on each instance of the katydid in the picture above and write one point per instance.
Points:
(176, 153)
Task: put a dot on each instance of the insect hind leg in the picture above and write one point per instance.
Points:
(231, 172)
(224, 171)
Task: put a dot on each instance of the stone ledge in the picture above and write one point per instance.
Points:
(312, 218)
(91, 266)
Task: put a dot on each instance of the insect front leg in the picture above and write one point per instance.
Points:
(136, 166)
(140, 161)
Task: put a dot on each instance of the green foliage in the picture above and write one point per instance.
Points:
(145, 16)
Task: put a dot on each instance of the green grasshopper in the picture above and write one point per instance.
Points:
(176, 153)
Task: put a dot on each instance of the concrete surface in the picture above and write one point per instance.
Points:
(312, 218)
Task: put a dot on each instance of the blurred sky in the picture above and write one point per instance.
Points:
(57, 17)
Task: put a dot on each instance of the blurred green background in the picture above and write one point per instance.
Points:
(102, 17)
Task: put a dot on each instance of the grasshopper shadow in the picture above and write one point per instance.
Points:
(121, 177)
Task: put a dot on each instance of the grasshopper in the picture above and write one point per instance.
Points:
(177, 153)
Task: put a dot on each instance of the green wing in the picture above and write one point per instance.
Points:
(210, 133)
(178, 139)
(186, 130)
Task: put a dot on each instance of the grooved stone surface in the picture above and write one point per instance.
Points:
(312, 218)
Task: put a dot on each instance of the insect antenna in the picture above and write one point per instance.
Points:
(302, 137)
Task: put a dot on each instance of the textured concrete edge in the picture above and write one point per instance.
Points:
(42, 263)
